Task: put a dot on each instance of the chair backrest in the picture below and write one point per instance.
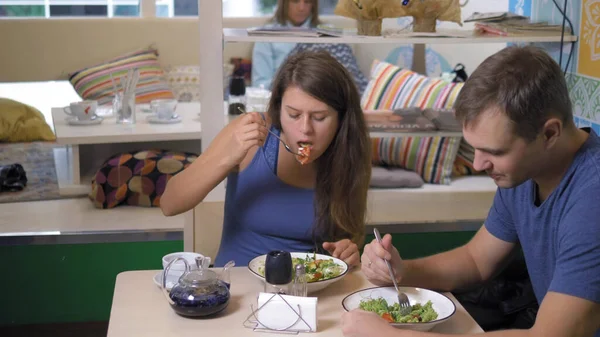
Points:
(205, 233)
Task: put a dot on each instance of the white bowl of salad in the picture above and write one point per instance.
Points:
(429, 307)
(321, 270)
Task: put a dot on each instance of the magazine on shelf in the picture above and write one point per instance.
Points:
(512, 29)
(443, 119)
(510, 24)
(294, 31)
(404, 33)
(493, 16)
(408, 120)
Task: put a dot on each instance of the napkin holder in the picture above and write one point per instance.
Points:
(283, 314)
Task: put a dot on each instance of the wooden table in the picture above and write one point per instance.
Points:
(140, 309)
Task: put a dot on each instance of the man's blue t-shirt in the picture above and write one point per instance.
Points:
(560, 237)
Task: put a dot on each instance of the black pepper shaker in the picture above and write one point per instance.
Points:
(237, 95)
(278, 272)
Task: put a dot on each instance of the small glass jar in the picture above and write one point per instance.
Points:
(124, 105)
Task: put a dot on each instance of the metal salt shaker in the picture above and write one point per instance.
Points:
(300, 280)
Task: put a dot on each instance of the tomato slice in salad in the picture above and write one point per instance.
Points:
(388, 317)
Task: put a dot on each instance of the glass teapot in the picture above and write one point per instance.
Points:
(198, 292)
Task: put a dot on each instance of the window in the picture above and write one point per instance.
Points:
(62, 8)
(231, 8)
(326, 7)
(172, 8)
(131, 8)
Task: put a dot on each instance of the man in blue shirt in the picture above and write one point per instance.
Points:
(517, 114)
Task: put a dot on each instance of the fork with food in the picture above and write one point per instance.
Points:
(304, 148)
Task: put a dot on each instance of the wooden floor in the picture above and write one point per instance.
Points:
(83, 329)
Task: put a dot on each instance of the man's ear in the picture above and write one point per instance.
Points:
(551, 131)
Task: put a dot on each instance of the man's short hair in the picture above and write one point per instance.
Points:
(524, 83)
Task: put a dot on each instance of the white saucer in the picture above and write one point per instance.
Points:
(156, 120)
(93, 121)
(172, 279)
(105, 111)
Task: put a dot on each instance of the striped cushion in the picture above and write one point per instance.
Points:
(94, 82)
(391, 87)
(431, 157)
(463, 165)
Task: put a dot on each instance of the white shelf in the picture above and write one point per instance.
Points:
(415, 134)
(241, 35)
(64, 174)
(80, 216)
(109, 131)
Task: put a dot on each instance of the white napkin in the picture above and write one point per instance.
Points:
(278, 315)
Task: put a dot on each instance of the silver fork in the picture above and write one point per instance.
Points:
(274, 135)
(405, 307)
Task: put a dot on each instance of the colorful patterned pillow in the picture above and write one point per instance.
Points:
(391, 87)
(94, 82)
(136, 178)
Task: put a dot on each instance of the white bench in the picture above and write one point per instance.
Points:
(79, 217)
(465, 199)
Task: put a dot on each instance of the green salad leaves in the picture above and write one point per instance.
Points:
(391, 313)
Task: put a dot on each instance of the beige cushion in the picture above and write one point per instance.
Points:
(184, 81)
(394, 178)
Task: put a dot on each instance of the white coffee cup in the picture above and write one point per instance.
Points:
(190, 257)
(84, 110)
(257, 99)
(164, 108)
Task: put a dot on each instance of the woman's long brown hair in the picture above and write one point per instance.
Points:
(344, 169)
(281, 13)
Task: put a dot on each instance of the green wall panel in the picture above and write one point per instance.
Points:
(414, 245)
(69, 282)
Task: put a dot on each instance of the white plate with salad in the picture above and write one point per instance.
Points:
(429, 307)
(321, 270)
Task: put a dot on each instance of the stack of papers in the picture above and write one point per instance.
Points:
(494, 16)
(403, 33)
(293, 31)
(509, 24)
